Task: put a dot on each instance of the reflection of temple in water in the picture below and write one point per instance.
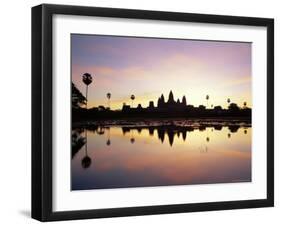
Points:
(161, 132)
(179, 131)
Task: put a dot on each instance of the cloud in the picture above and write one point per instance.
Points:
(185, 74)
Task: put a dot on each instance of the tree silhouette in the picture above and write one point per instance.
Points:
(78, 100)
(228, 100)
(233, 107)
(207, 98)
(245, 104)
(132, 98)
(108, 95)
(87, 79)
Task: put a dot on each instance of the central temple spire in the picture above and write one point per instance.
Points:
(171, 97)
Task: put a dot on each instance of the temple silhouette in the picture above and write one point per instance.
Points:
(164, 109)
(171, 103)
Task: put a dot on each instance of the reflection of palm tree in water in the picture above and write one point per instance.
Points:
(208, 138)
(108, 137)
(86, 161)
(132, 140)
(205, 149)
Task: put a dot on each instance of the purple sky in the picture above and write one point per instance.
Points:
(148, 67)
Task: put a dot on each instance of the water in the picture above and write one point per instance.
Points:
(111, 155)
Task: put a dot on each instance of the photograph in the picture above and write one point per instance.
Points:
(149, 111)
(145, 112)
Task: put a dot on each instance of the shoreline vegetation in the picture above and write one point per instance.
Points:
(170, 109)
(192, 123)
(83, 115)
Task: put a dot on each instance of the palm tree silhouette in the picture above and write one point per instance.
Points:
(108, 95)
(207, 98)
(87, 79)
(132, 98)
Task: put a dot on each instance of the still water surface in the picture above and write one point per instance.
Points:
(115, 156)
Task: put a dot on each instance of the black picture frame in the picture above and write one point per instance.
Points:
(42, 111)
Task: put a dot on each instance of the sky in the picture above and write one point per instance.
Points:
(149, 67)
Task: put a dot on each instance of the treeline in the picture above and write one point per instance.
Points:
(81, 114)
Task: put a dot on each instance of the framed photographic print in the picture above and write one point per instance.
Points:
(145, 112)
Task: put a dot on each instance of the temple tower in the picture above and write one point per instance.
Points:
(171, 98)
(183, 101)
(161, 101)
